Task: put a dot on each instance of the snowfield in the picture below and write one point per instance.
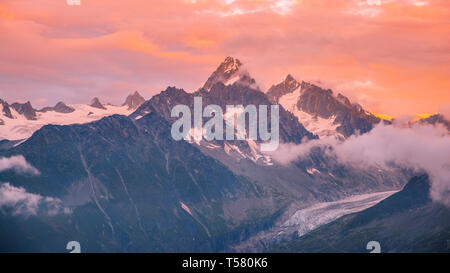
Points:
(22, 128)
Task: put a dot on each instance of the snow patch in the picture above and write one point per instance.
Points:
(312, 171)
(186, 208)
(316, 125)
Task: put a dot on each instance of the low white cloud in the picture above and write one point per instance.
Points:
(17, 163)
(423, 148)
(21, 202)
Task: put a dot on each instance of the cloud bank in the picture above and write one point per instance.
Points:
(22, 202)
(18, 164)
(111, 48)
(422, 148)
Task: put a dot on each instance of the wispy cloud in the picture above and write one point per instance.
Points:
(21, 202)
(423, 148)
(18, 164)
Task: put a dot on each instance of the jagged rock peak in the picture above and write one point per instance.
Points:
(343, 99)
(25, 109)
(95, 102)
(6, 110)
(229, 72)
(288, 85)
(291, 82)
(133, 101)
(60, 107)
(230, 65)
(434, 120)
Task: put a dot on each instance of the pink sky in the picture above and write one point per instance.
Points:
(392, 56)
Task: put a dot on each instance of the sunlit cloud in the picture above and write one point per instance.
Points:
(419, 3)
(282, 6)
(101, 47)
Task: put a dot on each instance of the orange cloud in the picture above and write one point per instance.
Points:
(395, 61)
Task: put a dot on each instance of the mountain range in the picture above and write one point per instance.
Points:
(112, 177)
(19, 121)
(318, 110)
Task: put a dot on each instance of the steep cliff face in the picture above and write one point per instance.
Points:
(230, 71)
(95, 102)
(133, 101)
(436, 119)
(25, 109)
(320, 110)
(287, 86)
(6, 111)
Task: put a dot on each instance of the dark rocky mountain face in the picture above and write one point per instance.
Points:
(352, 118)
(287, 86)
(436, 119)
(407, 221)
(25, 109)
(244, 160)
(95, 102)
(229, 71)
(134, 101)
(60, 107)
(7, 144)
(290, 129)
(130, 187)
(5, 109)
(218, 91)
(290, 183)
(318, 102)
(229, 152)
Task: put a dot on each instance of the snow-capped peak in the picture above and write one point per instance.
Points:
(19, 120)
(229, 72)
(134, 101)
(288, 85)
(319, 110)
(95, 102)
(25, 109)
(231, 65)
(60, 107)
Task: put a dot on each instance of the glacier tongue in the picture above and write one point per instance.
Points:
(307, 219)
